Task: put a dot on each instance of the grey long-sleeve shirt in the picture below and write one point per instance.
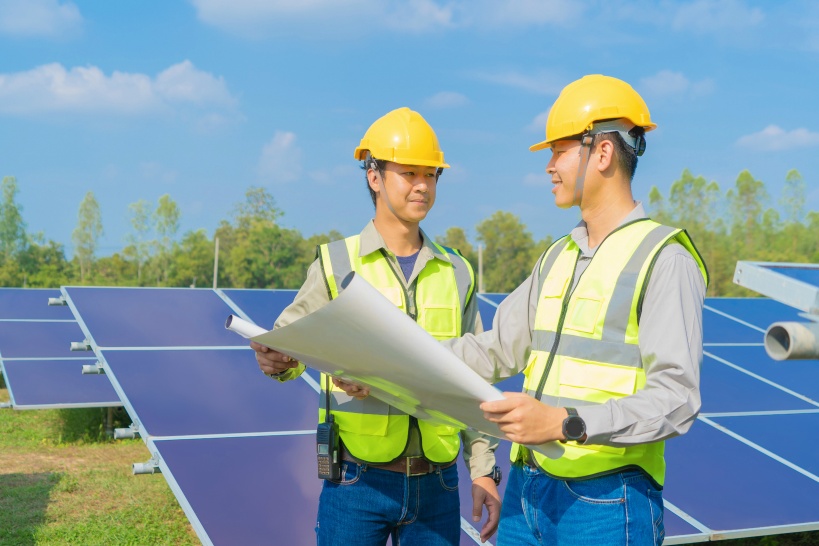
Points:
(478, 450)
(670, 345)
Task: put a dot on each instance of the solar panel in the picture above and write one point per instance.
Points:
(237, 448)
(39, 369)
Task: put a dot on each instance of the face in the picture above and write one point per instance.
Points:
(410, 190)
(563, 169)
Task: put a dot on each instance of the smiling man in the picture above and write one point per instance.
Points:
(398, 477)
(608, 331)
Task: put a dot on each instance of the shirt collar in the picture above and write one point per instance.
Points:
(580, 234)
(371, 241)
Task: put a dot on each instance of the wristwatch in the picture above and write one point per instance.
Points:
(496, 475)
(574, 428)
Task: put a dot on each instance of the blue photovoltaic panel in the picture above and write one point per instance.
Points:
(725, 389)
(487, 313)
(768, 431)
(158, 317)
(496, 298)
(262, 306)
(31, 304)
(39, 340)
(799, 376)
(727, 485)
(35, 384)
(717, 328)
(808, 274)
(258, 490)
(759, 312)
(39, 369)
(179, 392)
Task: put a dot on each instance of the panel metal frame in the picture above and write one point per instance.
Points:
(758, 276)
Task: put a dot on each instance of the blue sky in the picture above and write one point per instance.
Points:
(201, 99)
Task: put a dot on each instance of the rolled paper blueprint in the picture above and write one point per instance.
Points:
(362, 337)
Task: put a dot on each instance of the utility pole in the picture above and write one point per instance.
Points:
(480, 269)
(215, 262)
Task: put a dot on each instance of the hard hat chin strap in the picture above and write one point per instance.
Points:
(373, 164)
(585, 154)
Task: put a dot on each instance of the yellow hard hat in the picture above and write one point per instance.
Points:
(592, 99)
(402, 136)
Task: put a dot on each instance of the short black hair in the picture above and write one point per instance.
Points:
(380, 165)
(626, 155)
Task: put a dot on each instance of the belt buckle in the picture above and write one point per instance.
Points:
(410, 473)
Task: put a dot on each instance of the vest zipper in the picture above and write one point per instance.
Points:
(413, 314)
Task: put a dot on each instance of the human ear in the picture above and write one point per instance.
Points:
(605, 152)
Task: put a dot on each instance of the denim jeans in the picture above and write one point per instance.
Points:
(367, 505)
(623, 509)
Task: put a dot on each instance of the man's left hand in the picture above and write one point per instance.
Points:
(526, 420)
(485, 493)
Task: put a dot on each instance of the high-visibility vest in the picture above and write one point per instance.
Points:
(585, 342)
(370, 429)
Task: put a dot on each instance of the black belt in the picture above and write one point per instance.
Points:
(409, 466)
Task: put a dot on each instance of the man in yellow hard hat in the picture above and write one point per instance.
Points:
(398, 478)
(608, 331)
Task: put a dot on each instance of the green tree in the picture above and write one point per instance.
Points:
(268, 256)
(793, 197)
(509, 251)
(258, 206)
(87, 233)
(166, 225)
(455, 237)
(44, 264)
(193, 260)
(139, 245)
(12, 226)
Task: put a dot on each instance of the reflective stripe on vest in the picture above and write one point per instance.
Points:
(585, 342)
(372, 430)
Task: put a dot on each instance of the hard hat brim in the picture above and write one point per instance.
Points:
(539, 146)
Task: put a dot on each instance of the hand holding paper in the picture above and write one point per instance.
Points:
(363, 338)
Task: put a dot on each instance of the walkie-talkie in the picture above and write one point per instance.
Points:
(327, 444)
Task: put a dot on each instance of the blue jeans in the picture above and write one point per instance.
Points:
(368, 504)
(623, 509)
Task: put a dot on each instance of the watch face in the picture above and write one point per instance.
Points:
(575, 427)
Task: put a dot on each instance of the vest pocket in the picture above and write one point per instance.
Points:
(583, 315)
(595, 382)
(440, 321)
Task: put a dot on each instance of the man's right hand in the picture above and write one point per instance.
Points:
(272, 361)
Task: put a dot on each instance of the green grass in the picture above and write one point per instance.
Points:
(62, 481)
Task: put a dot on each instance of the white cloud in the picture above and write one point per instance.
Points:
(706, 16)
(39, 18)
(151, 171)
(540, 83)
(539, 122)
(446, 99)
(666, 83)
(281, 158)
(253, 17)
(505, 13)
(53, 88)
(774, 137)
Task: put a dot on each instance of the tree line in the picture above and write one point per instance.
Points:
(257, 251)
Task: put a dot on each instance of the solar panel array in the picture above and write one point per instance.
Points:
(37, 364)
(238, 449)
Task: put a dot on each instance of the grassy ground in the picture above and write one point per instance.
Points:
(63, 482)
